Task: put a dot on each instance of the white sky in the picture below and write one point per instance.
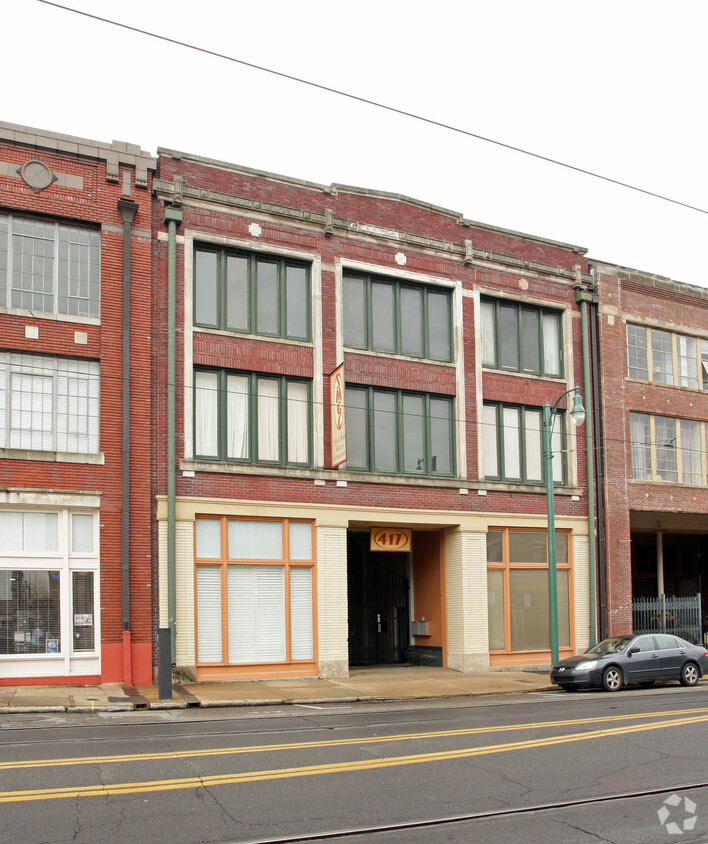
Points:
(612, 86)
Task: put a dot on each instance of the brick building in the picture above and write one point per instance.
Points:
(653, 384)
(75, 282)
(294, 320)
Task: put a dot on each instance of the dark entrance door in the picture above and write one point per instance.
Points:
(378, 603)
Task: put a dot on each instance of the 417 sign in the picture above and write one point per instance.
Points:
(390, 539)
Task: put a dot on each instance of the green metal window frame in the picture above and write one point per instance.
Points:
(559, 434)
(426, 469)
(252, 438)
(397, 286)
(253, 258)
(520, 365)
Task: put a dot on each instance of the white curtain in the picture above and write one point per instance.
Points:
(268, 433)
(298, 451)
(488, 339)
(532, 433)
(490, 454)
(512, 458)
(640, 436)
(206, 415)
(237, 416)
(551, 344)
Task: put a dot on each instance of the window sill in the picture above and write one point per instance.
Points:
(540, 489)
(52, 456)
(27, 314)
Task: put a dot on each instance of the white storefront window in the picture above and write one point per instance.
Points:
(49, 564)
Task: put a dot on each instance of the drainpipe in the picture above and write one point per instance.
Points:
(173, 217)
(584, 297)
(128, 209)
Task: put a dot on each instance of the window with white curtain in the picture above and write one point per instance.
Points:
(666, 357)
(49, 403)
(521, 338)
(512, 438)
(668, 449)
(261, 571)
(252, 418)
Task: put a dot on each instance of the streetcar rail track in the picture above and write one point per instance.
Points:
(430, 823)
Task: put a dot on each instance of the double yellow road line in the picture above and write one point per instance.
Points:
(683, 718)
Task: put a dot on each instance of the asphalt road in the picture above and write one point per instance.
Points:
(545, 767)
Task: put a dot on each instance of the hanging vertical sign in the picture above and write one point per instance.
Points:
(339, 434)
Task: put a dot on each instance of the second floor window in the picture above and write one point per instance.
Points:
(251, 293)
(521, 338)
(396, 432)
(49, 404)
(49, 267)
(665, 357)
(387, 315)
(252, 418)
(512, 440)
(667, 449)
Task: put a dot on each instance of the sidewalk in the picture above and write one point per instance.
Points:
(363, 684)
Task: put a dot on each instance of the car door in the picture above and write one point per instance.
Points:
(642, 662)
(672, 654)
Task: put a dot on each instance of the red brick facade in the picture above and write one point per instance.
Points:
(643, 511)
(89, 179)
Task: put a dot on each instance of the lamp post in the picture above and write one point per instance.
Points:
(577, 415)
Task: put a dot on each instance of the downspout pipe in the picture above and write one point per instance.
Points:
(584, 297)
(600, 468)
(173, 217)
(128, 210)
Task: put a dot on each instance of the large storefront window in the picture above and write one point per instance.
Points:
(48, 585)
(254, 582)
(517, 579)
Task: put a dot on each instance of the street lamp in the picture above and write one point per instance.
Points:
(577, 415)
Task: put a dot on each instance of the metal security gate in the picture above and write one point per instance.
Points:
(669, 614)
(378, 603)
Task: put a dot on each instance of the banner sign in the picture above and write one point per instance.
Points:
(390, 539)
(339, 434)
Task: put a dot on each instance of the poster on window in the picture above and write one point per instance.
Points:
(339, 436)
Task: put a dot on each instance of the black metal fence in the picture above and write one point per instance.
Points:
(669, 614)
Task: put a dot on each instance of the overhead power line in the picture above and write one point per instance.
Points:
(383, 106)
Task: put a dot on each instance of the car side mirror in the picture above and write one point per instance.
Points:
(633, 651)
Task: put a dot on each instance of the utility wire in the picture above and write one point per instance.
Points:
(449, 127)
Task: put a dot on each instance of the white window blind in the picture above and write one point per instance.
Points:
(256, 601)
(268, 445)
(298, 450)
(209, 614)
(301, 613)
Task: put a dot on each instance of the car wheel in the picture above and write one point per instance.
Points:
(612, 679)
(689, 674)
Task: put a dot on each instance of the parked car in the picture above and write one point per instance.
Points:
(624, 660)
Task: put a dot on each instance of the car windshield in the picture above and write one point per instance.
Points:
(610, 646)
